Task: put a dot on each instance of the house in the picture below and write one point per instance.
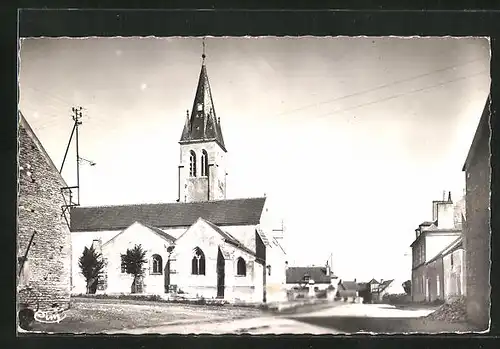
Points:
(367, 289)
(431, 237)
(347, 290)
(203, 245)
(477, 234)
(43, 236)
(309, 280)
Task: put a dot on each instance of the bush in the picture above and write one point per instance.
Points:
(402, 298)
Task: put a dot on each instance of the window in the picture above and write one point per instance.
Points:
(157, 264)
(241, 267)
(204, 163)
(198, 262)
(192, 164)
(451, 259)
(124, 267)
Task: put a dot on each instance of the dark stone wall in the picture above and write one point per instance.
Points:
(47, 272)
(477, 233)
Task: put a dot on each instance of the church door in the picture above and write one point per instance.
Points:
(167, 276)
(220, 274)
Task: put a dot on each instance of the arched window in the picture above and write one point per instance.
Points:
(241, 267)
(192, 164)
(204, 163)
(198, 262)
(157, 264)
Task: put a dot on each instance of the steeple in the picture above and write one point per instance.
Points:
(203, 125)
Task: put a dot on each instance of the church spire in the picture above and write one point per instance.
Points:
(203, 124)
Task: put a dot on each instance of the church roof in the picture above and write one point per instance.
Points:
(203, 125)
(219, 212)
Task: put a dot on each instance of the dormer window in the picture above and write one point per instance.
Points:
(199, 107)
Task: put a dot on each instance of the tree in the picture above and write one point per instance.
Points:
(91, 265)
(133, 261)
(407, 287)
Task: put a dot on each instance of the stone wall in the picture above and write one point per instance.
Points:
(477, 235)
(47, 272)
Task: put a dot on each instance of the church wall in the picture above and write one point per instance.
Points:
(276, 276)
(118, 282)
(201, 235)
(48, 265)
(79, 241)
(243, 233)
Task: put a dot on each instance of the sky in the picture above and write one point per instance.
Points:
(349, 138)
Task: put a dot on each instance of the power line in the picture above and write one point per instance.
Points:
(400, 95)
(377, 88)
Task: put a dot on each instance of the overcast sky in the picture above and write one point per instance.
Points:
(350, 138)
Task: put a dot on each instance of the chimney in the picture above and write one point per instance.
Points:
(449, 196)
(328, 270)
(354, 279)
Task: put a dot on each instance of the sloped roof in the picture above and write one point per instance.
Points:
(348, 285)
(161, 233)
(229, 238)
(23, 124)
(453, 246)
(203, 124)
(482, 132)
(296, 275)
(219, 212)
(157, 231)
(385, 284)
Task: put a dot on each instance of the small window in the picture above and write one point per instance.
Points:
(192, 164)
(198, 262)
(241, 267)
(451, 259)
(204, 163)
(157, 262)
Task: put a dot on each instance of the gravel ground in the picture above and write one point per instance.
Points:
(99, 315)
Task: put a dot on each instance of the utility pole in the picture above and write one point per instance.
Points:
(77, 115)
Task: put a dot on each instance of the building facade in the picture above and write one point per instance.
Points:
(43, 236)
(477, 233)
(431, 237)
(202, 246)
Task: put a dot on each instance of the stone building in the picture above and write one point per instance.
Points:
(431, 238)
(44, 264)
(477, 234)
(203, 245)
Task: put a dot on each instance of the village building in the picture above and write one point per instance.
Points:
(202, 246)
(348, 291)
(43, 236)
(432, 238)
(310, 281)
(477, 233)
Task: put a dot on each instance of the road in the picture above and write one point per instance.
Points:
(345, 318)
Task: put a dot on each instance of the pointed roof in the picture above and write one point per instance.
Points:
(203, 125)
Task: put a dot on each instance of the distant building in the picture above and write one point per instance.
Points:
(44, 264)
(431, 238)
(477, 233)
(348, 290)
(309, 280)
(203, 245)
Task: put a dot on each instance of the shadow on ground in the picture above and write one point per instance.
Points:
(348, 324)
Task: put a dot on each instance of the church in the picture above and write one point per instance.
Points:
(202, 246)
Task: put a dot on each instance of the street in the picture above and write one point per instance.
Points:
(339, 319)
